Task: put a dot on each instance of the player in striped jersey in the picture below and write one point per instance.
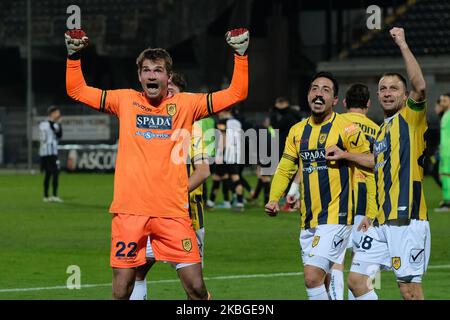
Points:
(50, 131)
(198, 170)
(399, 152)
(357, 102)
(369, 253)
(326, 188)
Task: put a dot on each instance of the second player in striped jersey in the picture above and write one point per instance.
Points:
(326, 188)
(399, 151)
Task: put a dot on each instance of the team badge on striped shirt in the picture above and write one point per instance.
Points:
(323, 138)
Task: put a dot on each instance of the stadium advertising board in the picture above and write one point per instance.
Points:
(92, 158)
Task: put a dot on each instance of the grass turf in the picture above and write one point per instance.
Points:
(247, 255)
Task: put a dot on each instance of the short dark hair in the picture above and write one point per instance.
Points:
(357, 96)
(328, 75)
(398, 75)
(52, 109)
(179, 80)
(446, 94)
(153, 54)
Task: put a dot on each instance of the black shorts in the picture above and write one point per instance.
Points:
(219, 169)
(49, 164)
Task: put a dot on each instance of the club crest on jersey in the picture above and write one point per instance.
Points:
(153, 122)
(315, 241)
(323, 138)
(187, 244)
(396, 263)
(171, 109)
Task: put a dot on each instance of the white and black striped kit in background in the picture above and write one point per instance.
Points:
(49, 132)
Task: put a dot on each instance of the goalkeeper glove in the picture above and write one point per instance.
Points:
(76, 40)
(238, 39)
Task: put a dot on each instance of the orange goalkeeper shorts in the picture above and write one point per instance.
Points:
(172, 239)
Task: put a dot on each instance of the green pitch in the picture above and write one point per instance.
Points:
(247, 255)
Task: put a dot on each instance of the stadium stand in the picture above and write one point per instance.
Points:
(427, 23)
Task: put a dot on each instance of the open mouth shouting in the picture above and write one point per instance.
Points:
(153, 88)
(318, 103)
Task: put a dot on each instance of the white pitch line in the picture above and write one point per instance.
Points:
(243, 276)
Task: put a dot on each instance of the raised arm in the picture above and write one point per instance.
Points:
(412, 66)
(76, 86)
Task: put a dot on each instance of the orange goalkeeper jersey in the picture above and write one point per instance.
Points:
(151, 177)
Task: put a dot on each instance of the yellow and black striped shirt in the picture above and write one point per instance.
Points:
(370, 130)
(326, 186)
(197, 152)
(399, 153)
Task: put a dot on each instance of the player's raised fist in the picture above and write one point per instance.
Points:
(272, 208)
(238, 39)
(398, 34)
(76, 39)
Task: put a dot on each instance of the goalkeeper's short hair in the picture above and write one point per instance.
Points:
(154, 54)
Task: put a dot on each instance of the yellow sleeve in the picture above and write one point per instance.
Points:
(415, 112)
(286, 168)
(355, 140)
(372, 211)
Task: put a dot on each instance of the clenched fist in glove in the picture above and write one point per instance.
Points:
(76, 40)
(238, 39)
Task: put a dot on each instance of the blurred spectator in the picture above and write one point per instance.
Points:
(283, 117)
(50, 131)
(263, 180)
(434, 159)
(444, 154)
